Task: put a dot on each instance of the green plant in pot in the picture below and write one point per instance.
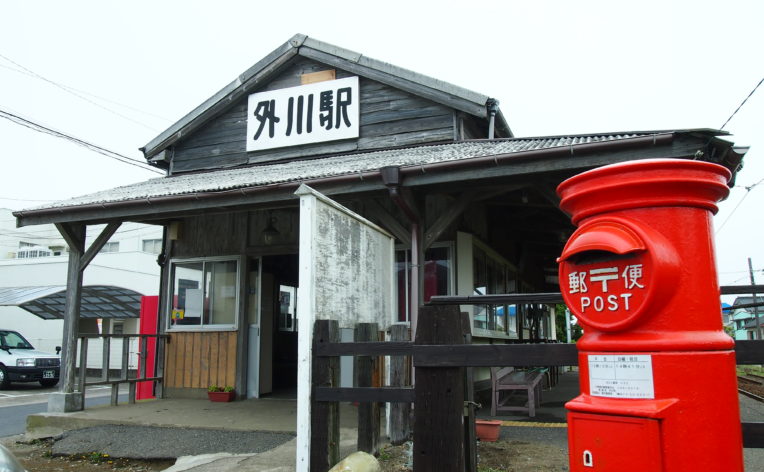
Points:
(221, 394)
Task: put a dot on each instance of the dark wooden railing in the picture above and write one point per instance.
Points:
(447, 360)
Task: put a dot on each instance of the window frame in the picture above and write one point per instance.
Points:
(406, 250)
(508, 269)
(154, 242)
(202, 327)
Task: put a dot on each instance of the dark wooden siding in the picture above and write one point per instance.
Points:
(389, 117)
(212, 235)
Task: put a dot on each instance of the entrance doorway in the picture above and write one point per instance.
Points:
(278, 326)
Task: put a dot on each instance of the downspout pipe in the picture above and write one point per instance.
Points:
(391, 177)
(492, 106)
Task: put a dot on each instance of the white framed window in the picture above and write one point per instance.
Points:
(153, 246)
(112, 246)
(204, 294)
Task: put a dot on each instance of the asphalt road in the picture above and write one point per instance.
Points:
(23, 400)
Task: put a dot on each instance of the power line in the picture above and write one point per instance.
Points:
(137, 110)
(747, 192)
(72, 92)
(100, 150)
(741, 104)
(25, 200)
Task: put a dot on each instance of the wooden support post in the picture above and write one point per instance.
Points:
(368, 412)
(470, 442)
(66, 399)
(400, 413)
(83, 365)
(105, 358)
(439, 407)
(325, 416)
(125, 357)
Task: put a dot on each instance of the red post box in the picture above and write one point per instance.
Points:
(657, 371)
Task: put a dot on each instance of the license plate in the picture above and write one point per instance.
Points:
(48, 374)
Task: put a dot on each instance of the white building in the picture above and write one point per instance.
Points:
(38, 257)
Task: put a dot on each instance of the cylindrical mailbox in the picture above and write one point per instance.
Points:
(657, 371)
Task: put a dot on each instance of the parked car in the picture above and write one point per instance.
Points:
(21, 362)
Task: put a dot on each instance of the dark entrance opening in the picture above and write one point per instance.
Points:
(280, 278)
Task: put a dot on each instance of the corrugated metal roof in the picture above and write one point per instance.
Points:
(349, 164)
(98, 301)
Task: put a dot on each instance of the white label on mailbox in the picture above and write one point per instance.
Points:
(621, 376)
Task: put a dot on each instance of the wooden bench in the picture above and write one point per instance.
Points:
(507, 380)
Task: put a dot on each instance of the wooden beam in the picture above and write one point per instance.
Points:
(96, 246)
(462, 202)
(73, 234)
(491, 355)
(388, 221)
(547, 193)
(364, 394)
(447, 218)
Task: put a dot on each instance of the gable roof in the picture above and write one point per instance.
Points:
(301, 45)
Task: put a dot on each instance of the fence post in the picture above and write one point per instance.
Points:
(400, 413)
(470, 444)
(325, 416)
(368, 412)
(439, 394)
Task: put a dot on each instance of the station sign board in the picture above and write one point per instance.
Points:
(318, 112)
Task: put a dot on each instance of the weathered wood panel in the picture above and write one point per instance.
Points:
(212, 235)
(199, 359)
(388, 117)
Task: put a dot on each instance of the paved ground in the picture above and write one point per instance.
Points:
(165, 443)
(200, 418)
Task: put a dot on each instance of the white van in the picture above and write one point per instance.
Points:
(20, 362)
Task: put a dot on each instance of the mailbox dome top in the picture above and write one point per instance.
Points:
(642, 184)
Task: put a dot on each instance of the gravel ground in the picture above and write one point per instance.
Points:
(146, 442)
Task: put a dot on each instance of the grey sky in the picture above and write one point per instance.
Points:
(556, 66)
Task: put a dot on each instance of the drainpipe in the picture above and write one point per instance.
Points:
(492, 106)
(391, 177)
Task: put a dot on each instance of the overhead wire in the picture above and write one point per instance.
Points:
(76, 94)
(93, 147)
(98, 97)
(741, 104)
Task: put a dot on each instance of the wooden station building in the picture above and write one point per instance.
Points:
(473, 208)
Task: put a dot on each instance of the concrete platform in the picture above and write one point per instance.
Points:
(279, 415)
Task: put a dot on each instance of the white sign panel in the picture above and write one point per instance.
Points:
(323, 111)
(621, 376)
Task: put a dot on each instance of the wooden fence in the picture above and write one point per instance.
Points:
(443, 430)
(124, 375)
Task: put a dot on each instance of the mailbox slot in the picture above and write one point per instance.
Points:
(614, 443)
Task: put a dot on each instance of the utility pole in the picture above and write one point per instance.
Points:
(755, 308)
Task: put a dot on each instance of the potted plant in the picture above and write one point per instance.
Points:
(220, 394)
(487, 430)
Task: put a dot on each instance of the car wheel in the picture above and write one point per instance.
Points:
(4, 382)
(48, 382)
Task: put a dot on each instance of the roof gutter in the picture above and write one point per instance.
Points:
(495, 160)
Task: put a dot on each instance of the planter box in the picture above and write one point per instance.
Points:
(221, 396)
(488, 430)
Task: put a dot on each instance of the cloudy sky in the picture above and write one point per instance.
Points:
(118, 73)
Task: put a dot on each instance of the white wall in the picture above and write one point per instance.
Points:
(129, 268)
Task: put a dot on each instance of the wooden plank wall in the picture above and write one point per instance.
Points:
(389, 117)
(201, 359)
